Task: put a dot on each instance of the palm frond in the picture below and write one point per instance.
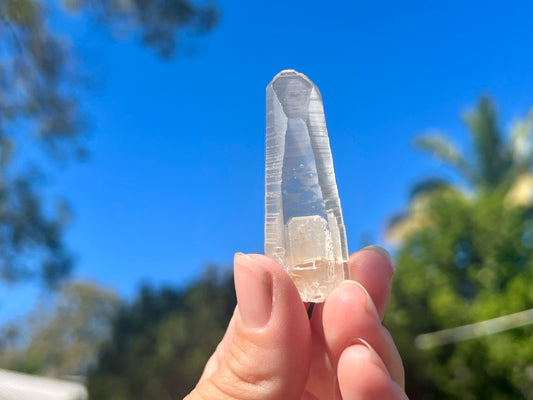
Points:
(493, 158)
(444, 150)
(427, 186)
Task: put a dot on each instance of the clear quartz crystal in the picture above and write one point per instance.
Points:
(304, 229)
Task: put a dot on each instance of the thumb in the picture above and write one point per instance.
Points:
(268, 355)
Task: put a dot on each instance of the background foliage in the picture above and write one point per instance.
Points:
(41, 119)
(466, 255)
(61, 338)
(161, 341)
(465, 251)
(42, 125)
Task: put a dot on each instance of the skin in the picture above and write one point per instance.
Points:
(272, 351)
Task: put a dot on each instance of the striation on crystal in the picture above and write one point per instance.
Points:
(304, 229)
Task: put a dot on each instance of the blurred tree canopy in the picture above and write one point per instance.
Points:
(41, 118)
(161, 342)
(160, 24)
(62, 338)
(466, 255)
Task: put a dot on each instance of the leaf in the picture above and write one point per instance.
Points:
(7, 149)
(428, 186)
(441, 148)
(493, 157)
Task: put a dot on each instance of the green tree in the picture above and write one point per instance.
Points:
(62, 338)
(40, 82)
(161, 341)
(466, 255)
(160, 24)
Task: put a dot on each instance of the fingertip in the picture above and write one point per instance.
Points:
(271, 340)
(373, 268)
(382, 252)
(351, 292)
(284, 293)
(348, 312)
(284, 288)
(253, 286)
(266, 262)
(373, 254)
(359, 374)
(363, 375)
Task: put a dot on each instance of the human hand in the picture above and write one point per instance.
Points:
(272, 351)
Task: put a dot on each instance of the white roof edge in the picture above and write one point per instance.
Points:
(20, 386)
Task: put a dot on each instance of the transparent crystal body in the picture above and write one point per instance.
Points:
(304, 229)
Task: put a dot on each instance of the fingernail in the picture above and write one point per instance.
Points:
(370, 306)
(380, 250)
(253, 285)
(374, 357)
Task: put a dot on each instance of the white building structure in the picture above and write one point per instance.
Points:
(19, 386)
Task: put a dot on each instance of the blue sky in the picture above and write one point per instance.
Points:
(175, 180)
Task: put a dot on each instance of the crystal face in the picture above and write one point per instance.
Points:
(304, 229)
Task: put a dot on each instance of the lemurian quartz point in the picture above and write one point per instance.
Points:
(304, 229)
